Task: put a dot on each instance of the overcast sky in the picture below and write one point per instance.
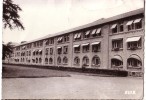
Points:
(43, 17)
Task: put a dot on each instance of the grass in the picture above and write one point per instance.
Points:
(22, 72)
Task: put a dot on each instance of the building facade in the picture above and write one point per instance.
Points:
(113, 43)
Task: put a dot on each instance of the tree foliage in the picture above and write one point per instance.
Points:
(7, 50)
(10, 15)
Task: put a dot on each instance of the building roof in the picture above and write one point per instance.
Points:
(98, 22)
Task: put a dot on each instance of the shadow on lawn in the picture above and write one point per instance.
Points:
(33, 76)
(35, 73)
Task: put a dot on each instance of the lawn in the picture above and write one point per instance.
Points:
(24, 72)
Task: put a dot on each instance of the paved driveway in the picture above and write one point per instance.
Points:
(77, 86)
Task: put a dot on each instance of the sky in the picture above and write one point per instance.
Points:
(43, 17)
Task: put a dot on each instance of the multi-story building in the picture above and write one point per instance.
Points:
(112, 43)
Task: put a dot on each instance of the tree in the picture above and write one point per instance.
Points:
(7, 50)
(10, 15)
(10, 20)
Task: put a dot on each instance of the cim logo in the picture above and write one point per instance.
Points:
(130, 92)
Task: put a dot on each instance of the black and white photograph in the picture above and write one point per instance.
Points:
(73, 49)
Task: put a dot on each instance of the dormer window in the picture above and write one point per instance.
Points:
(59, 40)
(121, 27)
(77, 36)
(114, 28)
(130, 25)
(96, 32)
(34, 44)
(66, 38)
(138, 23)
(38, 44)
(41, 43)
(47, 42)
(52, 41)
(87, 34)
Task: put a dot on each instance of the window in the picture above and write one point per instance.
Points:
(85, 47)
(17, 48)
(96, 61)
(65, 49)
(133, 43)
(46, 60)
(117, 62)
(36, 60)
(114, 28)
(28, 46)
(50, 61)
(34, 44)
(134, 61)
(38, 43)
(33, 60)
(77, 36)
(59, 40)
(51, 41)
(47, 42)
(130, 25)
(37, 52)
(28, 60)
(65, 60)
(51, 51)
(23, 47)
(76, 48)
(59, 50)
(121, 27)
(138, 23)
(117, 44)
(34, 52)
(87, 34)
(66, 38)
(40, 52)
(46, 51)
(23, 53)
(85, 61)
(95, 46)
(76, 61)
(29, 53)
(41, 43)
(40, 60)
(96, 32)
(59, 60)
